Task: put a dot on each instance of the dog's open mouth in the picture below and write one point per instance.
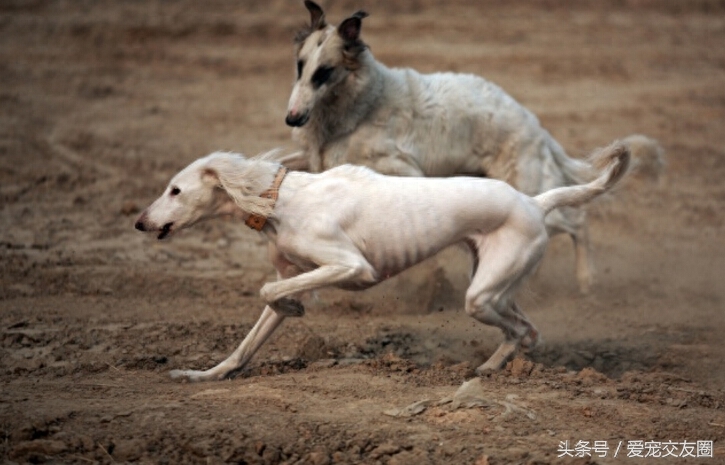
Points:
(165, 230)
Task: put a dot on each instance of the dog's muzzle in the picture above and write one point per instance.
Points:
(143, 227)
(297, 120)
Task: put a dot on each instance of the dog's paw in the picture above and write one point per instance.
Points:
(265, 292)
(288, 307)
(531, 340)
(485, 370)
(498, 360)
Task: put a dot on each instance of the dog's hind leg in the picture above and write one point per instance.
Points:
(265, 326)
(584, 268)
(519, 333)
(573, 221)
(504, 261)
(522, 335)
(531, 339)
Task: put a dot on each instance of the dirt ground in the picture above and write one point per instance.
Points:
(101, 102)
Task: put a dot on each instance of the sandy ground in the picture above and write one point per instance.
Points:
(102, 102)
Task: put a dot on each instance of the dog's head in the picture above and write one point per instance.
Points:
(325, 56)
(218, 184)
(190, 197)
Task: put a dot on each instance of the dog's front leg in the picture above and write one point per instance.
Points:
(265, 326)
(285, 269)
(276, 294)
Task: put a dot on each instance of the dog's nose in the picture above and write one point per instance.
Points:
(140, 226)
(296, 120)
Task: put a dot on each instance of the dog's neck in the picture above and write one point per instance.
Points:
(257, 222)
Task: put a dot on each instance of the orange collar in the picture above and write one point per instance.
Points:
(257, 221)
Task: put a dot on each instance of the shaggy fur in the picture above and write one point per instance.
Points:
(401, 122)
(352, 228)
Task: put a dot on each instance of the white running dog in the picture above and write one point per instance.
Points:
(351, 227)
(347, 107)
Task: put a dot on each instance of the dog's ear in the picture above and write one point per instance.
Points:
(209, 175)
(236, 176)
(317, 21)
(317, 16)
(349, 29)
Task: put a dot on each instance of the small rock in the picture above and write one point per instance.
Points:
(413, 409)
(387, 448)
(471, 394)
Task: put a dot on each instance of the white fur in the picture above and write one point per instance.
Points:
(351, 227)
(401, 122)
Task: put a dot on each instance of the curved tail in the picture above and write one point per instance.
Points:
(648, 158)
(613, 160)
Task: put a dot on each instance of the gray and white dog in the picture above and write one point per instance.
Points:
(347, 107)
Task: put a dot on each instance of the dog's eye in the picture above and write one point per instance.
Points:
(322, 75)
(300, 65)
(175, 191)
